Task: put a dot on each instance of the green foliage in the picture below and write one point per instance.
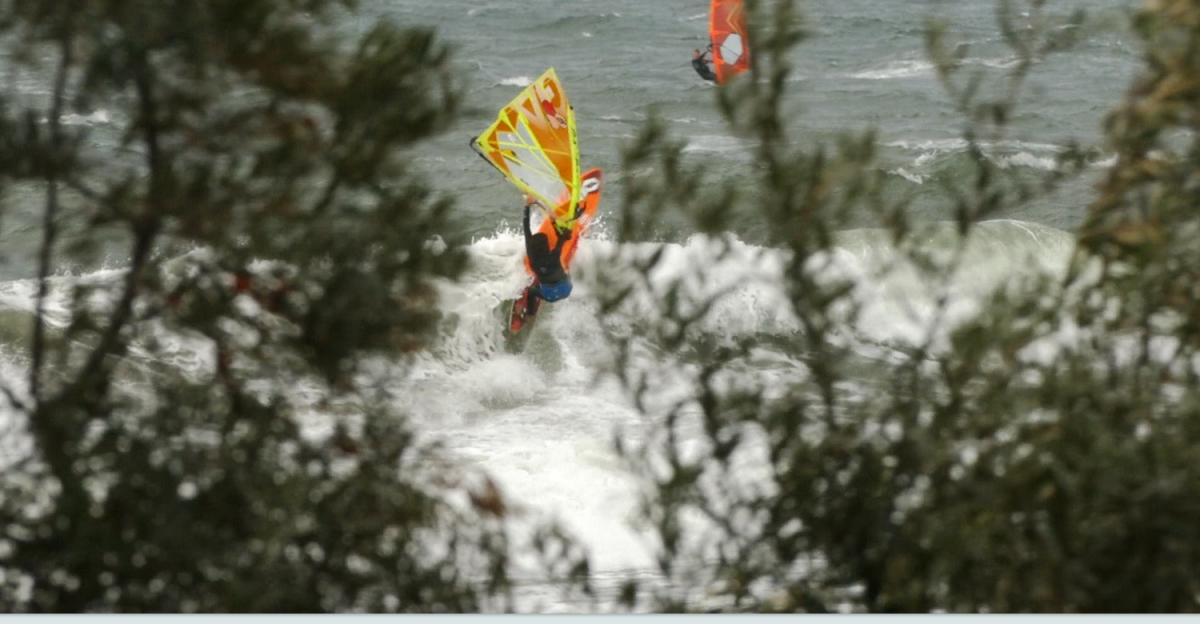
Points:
(256, 190)
(1039, 456)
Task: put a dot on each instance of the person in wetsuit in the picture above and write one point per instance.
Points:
(702, 63)
(553, 282)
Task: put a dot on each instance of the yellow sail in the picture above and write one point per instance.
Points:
(532, 142)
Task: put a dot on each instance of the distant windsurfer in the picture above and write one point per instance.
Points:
(702, 63)
(552, 282)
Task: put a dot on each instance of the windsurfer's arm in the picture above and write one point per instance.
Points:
(529, 201)
(563, 237)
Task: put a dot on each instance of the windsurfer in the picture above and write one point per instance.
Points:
(702, 63)
(552, 282)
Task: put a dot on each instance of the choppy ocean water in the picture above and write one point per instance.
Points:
(863, 65)
(539, 421)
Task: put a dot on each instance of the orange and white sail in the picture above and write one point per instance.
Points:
(533, 143)
(727, 28)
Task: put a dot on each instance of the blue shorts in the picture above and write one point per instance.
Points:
(556, 291)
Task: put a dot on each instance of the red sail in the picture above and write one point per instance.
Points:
(727, 27)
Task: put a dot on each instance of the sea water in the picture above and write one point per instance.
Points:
(542, 423)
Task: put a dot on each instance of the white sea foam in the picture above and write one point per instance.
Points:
(714, 144)
(996, 63)
(1005, 153)
(541, 424)
(912, 68)
(1025, 159)
(516, 81)
(959, 144)
(896, 69)
(90, 119)
(907, 175)
(96, 117)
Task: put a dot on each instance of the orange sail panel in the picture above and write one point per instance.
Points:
(727, 28)
(585, 212)
(532, 142)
